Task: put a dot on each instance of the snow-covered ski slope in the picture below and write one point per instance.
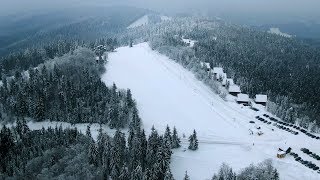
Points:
(166, 93)
(144, 20)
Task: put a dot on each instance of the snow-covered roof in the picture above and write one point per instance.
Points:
(243, 97)
(218, 70)
(281, 152)
(261, 98)
(224, 81)
(230, 81)
(207, 65)
(234, 88)
(97, 58)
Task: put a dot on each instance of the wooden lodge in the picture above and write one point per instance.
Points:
(243, 99)
(234, 90)
(261, 99)
(281, 154)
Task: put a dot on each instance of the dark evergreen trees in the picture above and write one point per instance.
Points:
(193, 141)
(175, 139)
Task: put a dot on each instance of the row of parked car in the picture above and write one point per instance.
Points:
(308, 164)
(277, 125)
(293, 126)
(311, 154)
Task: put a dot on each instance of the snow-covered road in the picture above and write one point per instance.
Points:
(167, 93)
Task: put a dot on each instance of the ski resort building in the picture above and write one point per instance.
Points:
(217, 73)
(234, 90)
(261, 99)
(205, 65)
(243, 99)
(229, 82)
(281, 154)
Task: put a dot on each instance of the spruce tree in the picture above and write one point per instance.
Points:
(137, 174)
(168, 175)
(186, 176)
(175, 139)
(193, 141)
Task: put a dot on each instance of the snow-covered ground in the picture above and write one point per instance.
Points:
(144, 20)
(278, 32)
(166, 93)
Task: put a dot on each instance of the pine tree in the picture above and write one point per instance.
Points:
(137, 174)
(168, 175)
(275, 175)
(88, 131)
(175, 139)
(124, 173)
(193, 141)
(186, 176)
(93, 154)
(167, 135)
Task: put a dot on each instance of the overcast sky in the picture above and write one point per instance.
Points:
(277, 8)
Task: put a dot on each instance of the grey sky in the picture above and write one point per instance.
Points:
(277, 8)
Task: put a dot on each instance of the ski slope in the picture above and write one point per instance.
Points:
(166, 93)
(144, 20)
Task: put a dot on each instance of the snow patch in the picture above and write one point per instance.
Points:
(144, 20)
(278, 32)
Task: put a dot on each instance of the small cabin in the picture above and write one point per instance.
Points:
(205, 65)
(243, 99)
(97, 58)
(234, 90)
(217, 73)
(261, 99)
(229, 82)
(281, 154)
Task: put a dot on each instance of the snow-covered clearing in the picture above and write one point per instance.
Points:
(144, 20)
(166, 93)
(278, 32)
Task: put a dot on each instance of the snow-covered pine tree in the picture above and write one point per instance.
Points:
(167, 135)
(193, 141)
(124, 173)
(186, 176)
(275, 175)
(168, 175)
(175, 139)
(93, 153)
(137, 174)
(88, 131)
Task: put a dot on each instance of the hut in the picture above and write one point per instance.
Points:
(217, 73)
(281, 154)
(234, 90)
(205, 65)
(261, 99)
(230, 82)
(243, 99)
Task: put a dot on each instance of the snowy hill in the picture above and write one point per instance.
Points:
(167, 93)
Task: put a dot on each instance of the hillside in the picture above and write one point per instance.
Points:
(166, 93)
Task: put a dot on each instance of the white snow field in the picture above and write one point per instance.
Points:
(166, 93)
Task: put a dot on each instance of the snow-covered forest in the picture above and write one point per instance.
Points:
(161, 114)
